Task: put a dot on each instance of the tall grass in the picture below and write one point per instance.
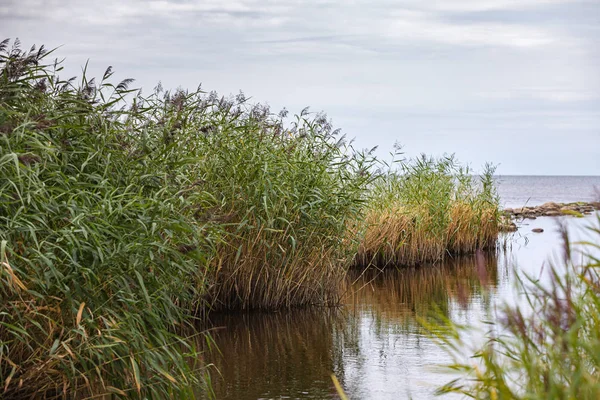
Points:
(91, 237)
(122, 217)
(427, 209)
(277, 196)
(547, 347)
(287, 197)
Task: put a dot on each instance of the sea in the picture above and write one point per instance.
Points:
(525, 190)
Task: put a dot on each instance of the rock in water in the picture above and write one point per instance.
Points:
(550, 206)
(537, 230)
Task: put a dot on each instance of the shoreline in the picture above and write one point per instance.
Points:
(549, 209)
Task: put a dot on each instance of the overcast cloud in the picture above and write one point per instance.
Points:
(514, 82)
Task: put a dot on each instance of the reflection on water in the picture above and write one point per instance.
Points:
(275, 355)
(398, 294)
(373, 343)
(386, 352)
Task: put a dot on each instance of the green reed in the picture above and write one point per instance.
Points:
(123, 217)
(427, 208)
(284, 198)
(91, 232)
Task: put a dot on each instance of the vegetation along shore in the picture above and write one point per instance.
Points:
(125, 219)
(546, 347)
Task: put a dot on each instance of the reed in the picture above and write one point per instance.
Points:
(93, 276)
(123, 217)
(288, 196)
(546, 347)
(427, 209)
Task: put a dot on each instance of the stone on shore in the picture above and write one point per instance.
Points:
(552, 209)
(550, 206)
(549, 209)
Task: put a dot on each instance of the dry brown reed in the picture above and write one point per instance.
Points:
(432, 209)
(247, 274)
(472, 228)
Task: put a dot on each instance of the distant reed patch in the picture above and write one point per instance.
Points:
(427, 209)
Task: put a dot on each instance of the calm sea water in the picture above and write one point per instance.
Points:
(519, 191)
(374, 343)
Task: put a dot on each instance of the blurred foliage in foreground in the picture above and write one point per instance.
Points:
(547, 347)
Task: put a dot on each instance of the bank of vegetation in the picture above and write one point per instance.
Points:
(428, 209)
(124, 218)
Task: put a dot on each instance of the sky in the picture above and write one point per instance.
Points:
(512, 82)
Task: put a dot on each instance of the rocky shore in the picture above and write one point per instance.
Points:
(549, 209)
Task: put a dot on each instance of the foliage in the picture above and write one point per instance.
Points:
(284, 198)
(92, 270)
(125, 217)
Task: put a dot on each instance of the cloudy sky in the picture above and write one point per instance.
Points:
(514, 82)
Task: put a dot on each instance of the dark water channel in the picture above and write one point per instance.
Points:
(374, 342)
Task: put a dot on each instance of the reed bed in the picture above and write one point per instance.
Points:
(92, 270)
(124, 217)
(288, 196)
(427, 209)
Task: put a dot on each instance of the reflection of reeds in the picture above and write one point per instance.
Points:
(272, 355)
(282, 354)
(409, 292)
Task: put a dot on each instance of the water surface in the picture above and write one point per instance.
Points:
(523, 190)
